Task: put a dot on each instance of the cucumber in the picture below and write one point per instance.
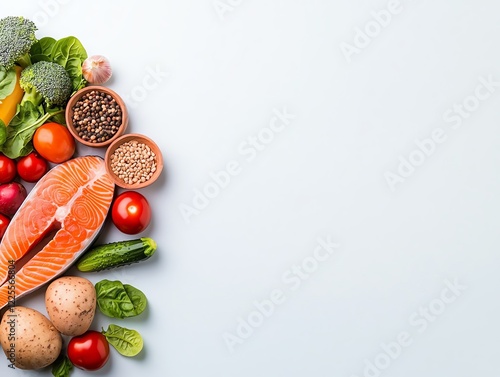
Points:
(116, 254)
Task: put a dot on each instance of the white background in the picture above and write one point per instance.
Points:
(222, 76)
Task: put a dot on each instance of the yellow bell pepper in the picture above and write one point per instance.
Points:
(8, 106)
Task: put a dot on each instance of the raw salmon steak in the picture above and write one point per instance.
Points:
(71, 203)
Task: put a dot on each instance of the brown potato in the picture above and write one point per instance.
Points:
(71, 304)
(28, 338)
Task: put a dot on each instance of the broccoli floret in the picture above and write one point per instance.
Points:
(17, 35)
(46, 81)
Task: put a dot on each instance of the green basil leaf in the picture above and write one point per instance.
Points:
(47, 46)
(70, 53)
(62, 367)
(39, 58)
(137, 297)
(127, 342)
(42, 49)
(117, 301)
(3, 132)
(8, 80)
(67, 48)
(74, 69)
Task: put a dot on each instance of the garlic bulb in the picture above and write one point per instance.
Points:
(96, 69)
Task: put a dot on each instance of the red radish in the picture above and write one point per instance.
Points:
(12, 196)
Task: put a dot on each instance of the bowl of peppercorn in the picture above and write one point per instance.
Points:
(96, 116)
(133, 161)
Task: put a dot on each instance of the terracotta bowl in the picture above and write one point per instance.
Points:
(141, 139)
(69, 115)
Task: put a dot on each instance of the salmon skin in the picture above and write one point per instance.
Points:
(71, 201)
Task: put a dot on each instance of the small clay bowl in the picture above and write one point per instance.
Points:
(142, 139)
(69, 115)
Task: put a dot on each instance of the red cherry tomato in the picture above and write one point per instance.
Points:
(7, 169)
(89, 351)
(32, 167)
(131, 212)
(4, 223)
